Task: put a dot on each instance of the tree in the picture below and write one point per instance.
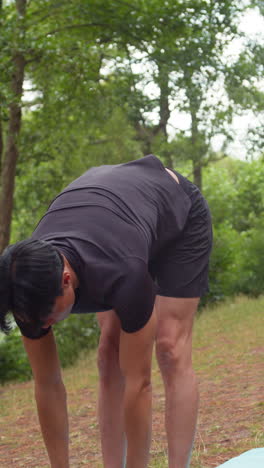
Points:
(184, 57)
(243, 81)
(36, 44)
(10, 154)
(80, 58)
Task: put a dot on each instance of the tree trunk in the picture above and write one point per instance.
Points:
(194, 101)
(197, 175)
(1, 127)
(1, 142)
(164, 113)
(196, 156)
(144, 136)
(11, 151)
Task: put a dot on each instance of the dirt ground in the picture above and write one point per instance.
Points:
(230, 420)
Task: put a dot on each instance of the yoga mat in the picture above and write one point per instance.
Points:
(252, 459)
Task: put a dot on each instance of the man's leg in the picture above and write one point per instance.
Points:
(111, 389)
(174, 355)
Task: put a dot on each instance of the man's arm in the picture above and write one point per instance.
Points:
(50, 397)
(135, 362)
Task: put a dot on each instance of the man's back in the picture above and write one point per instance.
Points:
(139, 194)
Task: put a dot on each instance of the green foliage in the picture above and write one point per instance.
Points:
(234, 190)
(249, 205)
(89, 65)
(13, 360)
(73, 336)
(50, 159)
(220, 192)
(251, 279)
(225, 263)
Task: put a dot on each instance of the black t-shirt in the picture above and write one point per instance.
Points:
(109, 223)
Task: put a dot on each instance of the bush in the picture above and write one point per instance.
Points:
(13, 360)
(77, 333)
(251, 281)
(225, 263)
(73, 335)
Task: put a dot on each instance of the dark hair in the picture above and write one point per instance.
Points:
(30, 281)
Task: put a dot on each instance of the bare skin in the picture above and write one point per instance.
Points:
(50, 398)
(173, 348)
(173, 175)
(111, 384)
(50, 392)
(120, 372)
(174, 355)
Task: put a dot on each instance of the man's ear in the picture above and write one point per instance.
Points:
(66, 279)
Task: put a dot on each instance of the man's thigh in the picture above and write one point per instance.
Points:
(175, 325)
(109, 324)
(108, 349)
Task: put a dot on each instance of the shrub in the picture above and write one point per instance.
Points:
(225, 263)
(13, 360)
(251, 281)
(73, 335)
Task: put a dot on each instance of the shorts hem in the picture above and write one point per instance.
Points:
(184, 294)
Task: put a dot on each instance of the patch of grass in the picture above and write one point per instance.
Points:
(228, 358)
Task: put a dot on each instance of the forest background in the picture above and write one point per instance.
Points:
(89, 83)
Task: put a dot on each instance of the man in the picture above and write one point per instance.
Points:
(130, 242)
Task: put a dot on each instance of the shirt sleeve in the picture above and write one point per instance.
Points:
(28, 330)
(132, 294)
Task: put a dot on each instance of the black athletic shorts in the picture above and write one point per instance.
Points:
(181, 268)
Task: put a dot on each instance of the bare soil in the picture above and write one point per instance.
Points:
(230, 420)
(228, 358)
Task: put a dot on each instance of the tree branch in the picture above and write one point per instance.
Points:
(51, 13)
(71, 26)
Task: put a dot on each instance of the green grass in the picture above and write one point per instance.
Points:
(228, 358)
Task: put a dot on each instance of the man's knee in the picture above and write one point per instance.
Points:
(174, 338)
(174, 358)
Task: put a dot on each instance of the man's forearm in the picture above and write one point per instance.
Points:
(138, 420)
(53, 418)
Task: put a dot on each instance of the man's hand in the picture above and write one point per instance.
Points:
(50, 397)
(135, 362)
